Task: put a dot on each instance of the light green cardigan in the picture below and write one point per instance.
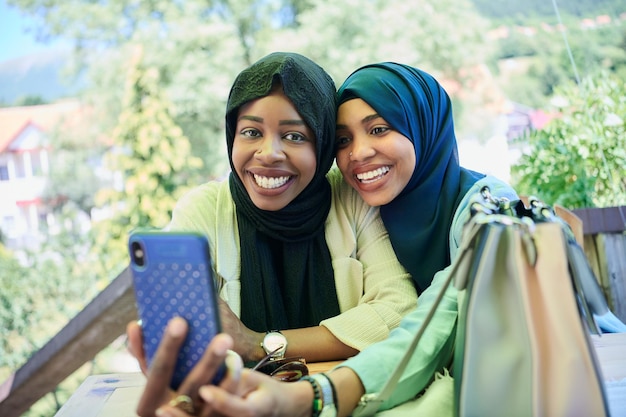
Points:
(373, 289)
(434, 350)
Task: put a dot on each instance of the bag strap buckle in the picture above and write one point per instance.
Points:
(368, 405)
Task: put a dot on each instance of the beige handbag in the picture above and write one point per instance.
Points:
(522, 345)
(522, 348)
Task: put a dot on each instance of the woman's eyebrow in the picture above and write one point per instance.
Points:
(282, 122)
(251, 118)
(365, 120)
(370, 118)
(292, 122)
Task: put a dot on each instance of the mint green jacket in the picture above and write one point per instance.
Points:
(434, 350)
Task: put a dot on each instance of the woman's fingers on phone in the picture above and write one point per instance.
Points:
(135, 344)
(159, 375)
(230, 382)
(210, 366)
(234, 366)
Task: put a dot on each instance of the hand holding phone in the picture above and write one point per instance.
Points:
(172, 276)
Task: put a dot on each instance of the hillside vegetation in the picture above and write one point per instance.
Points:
(521, 11)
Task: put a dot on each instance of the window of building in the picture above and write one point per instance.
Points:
(4, 173)
(35, 162)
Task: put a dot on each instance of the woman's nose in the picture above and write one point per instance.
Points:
(361, 149)
(270, 149)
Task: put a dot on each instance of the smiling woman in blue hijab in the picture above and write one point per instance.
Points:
(419, 216)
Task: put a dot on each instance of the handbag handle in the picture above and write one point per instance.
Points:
(370, 403)
(589, 294)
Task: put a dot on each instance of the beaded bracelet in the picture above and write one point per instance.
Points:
(332, 386)
(329, 408)
(318, 403)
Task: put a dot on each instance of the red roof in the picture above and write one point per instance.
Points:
(540, 118)
(13, 120)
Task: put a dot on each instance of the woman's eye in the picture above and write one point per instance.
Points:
(342, 140)
(379, 130)
(251, 133)
(295, 137)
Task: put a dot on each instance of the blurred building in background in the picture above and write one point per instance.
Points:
(25, 155)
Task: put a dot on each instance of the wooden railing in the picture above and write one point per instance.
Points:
(605, 246)
(93, 329)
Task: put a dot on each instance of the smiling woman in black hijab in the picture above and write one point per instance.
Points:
(286, 272)
(294, 248)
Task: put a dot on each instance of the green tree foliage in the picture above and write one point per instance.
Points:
(547, 61)
(440, 36)
(72, 180)
(29, 100)
(579, 158)
(40, 291)
(16, 309)
(150, 160)
(73, 172)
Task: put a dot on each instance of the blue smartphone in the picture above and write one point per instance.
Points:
(172, 276)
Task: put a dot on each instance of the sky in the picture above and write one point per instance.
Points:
(16, 34)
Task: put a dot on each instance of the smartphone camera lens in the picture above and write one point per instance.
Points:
(137, 254)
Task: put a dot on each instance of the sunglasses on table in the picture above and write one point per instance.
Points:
(286, 369)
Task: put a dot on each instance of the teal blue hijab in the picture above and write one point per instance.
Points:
(419, 219)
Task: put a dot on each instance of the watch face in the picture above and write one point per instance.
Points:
(273, 341)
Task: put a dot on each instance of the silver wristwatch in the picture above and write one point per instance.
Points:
(275, 341)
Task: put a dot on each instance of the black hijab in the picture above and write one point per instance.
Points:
(419, 219)
(287, 278)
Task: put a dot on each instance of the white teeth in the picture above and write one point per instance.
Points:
(371, 176)
(270, 182)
